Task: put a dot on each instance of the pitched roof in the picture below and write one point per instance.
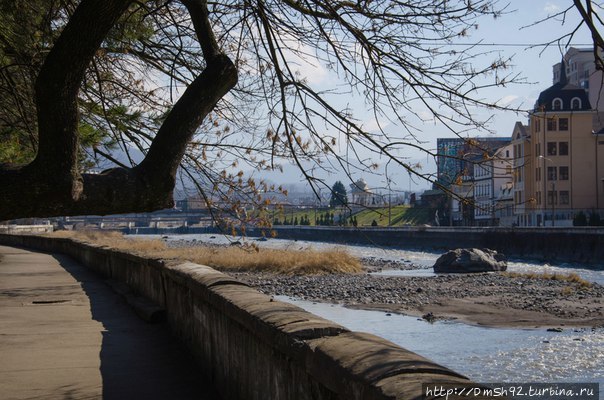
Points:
(565, 92)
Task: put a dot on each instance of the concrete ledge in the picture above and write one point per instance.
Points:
(250, 346)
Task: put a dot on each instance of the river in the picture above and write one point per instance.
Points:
(482, 354)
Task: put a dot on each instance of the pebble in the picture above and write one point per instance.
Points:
(410, 292)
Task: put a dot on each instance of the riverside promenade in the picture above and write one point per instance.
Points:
(64, 334)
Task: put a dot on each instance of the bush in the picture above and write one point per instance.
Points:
(594, 219)
(580, 219)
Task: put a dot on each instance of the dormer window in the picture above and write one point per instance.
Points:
(575, 103)
(557, 104)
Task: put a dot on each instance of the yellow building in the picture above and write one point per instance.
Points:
(562, 170)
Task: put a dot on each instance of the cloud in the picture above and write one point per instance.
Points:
(303, 62)
(551, 8)
(507, 100)
(373, 126)
(311, 69)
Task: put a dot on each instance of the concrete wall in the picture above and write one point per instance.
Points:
(24, 229)
(583, 245)
(252, 347)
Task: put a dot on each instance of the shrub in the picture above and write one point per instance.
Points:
(580, 219)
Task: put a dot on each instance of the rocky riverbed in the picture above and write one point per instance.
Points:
(490, 299)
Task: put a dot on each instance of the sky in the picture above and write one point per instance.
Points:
(509, 35)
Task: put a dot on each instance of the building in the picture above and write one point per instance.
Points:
(361, 195)
(564, 172)
(492, 175)
(457, 161)
(522, 173)
(581, 71)
(455, 156)
(504, 205)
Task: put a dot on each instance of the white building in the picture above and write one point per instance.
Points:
(490, 176)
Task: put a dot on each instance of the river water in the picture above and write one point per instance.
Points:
(482, 354)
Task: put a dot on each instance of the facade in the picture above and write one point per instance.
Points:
(581, 71)
(361, 195)
(455, 156)
(490, 176)
(549, 171)
(465, 168)
(523, 174)
(565, 173)
(504, 205)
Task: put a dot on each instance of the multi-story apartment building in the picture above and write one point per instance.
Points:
(522, 173)
(581, 71)
(491, 176)
(564, 171)
(556, 163)
(456, 156)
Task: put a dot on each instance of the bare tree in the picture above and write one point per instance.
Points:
(234, 66)
(589, 17)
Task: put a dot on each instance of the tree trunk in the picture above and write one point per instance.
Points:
(52, 185)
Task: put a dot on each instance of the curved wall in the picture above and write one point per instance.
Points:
(252, 347)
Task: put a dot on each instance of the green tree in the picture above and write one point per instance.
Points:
(339, 196)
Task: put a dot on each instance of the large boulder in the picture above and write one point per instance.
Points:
(470, 260)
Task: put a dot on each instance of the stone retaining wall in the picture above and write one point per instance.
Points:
(582, 245)
(252, 347)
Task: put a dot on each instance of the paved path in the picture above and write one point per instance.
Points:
(64, 334)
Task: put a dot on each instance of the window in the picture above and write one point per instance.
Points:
(575, 104)
(508, 170)
(537, 149)
(551, 124)
(564, 197)
(538, 197)
(552, 197)
(507, 154)
(552, 148)
(563, 148)
(552, 173)
(563, 173)
(538, 174)
(537, 125)
(557, 104)
(563, 124)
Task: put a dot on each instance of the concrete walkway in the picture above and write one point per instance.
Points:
(64, 334)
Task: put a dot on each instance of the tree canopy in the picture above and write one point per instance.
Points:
(339, 197)
(141, 89)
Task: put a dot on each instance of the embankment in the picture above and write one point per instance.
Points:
(583, 245)
(250, 346)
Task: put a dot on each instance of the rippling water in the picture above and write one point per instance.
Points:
(483, 354)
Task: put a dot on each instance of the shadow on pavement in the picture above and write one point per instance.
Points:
(138, 360)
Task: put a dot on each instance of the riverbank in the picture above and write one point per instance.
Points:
(490, 299)
(493, 299)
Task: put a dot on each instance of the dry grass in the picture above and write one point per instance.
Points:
(570, 277)
(233, 258)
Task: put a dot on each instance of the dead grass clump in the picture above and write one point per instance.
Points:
(570, 277)
(269, 260)
(231, 258)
